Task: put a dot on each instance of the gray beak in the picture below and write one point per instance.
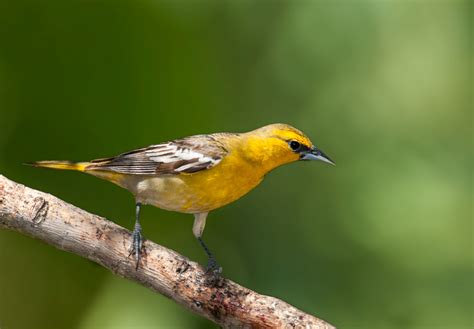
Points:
(315, 154)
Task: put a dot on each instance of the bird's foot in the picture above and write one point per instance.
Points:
(213, 267)
(213, 273)
(136, 248)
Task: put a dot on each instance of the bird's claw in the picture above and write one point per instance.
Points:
(213, 267)
(136, 246)
(213, 273)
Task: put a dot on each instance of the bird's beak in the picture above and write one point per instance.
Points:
(315, 154)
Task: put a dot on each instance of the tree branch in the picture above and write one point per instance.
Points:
(55, 222)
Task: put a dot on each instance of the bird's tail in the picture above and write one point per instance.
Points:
(62, 165)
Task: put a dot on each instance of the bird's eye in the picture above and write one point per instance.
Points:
(295, 146)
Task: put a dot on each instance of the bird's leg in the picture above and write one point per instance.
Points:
(137, 243)
(198, 227)
(212, 265)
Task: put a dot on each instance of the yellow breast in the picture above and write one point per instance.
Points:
(199, 192)
(241, 170)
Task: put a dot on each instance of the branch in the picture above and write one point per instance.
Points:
(55, 222)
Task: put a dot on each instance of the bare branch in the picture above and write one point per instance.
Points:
(55, 222)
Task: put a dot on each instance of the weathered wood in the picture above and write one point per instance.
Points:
(55, 222)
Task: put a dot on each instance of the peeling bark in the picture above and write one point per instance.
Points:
(55, 222)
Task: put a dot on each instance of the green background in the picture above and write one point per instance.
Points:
(382, 240)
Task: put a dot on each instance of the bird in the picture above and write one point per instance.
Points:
(198, 174)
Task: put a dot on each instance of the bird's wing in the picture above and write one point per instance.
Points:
(187, 155)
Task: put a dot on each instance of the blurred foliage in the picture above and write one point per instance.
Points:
(383, 240)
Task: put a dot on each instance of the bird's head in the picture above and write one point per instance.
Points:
(277, 144)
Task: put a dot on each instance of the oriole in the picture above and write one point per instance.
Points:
(199, 173)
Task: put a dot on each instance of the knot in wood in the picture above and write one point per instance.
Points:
(39, 210)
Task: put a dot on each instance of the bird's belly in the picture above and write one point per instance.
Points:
(195, 193)
(169, 193)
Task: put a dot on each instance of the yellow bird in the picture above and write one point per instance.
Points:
(199, 173)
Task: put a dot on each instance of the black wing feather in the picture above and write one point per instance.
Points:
(187, 155)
